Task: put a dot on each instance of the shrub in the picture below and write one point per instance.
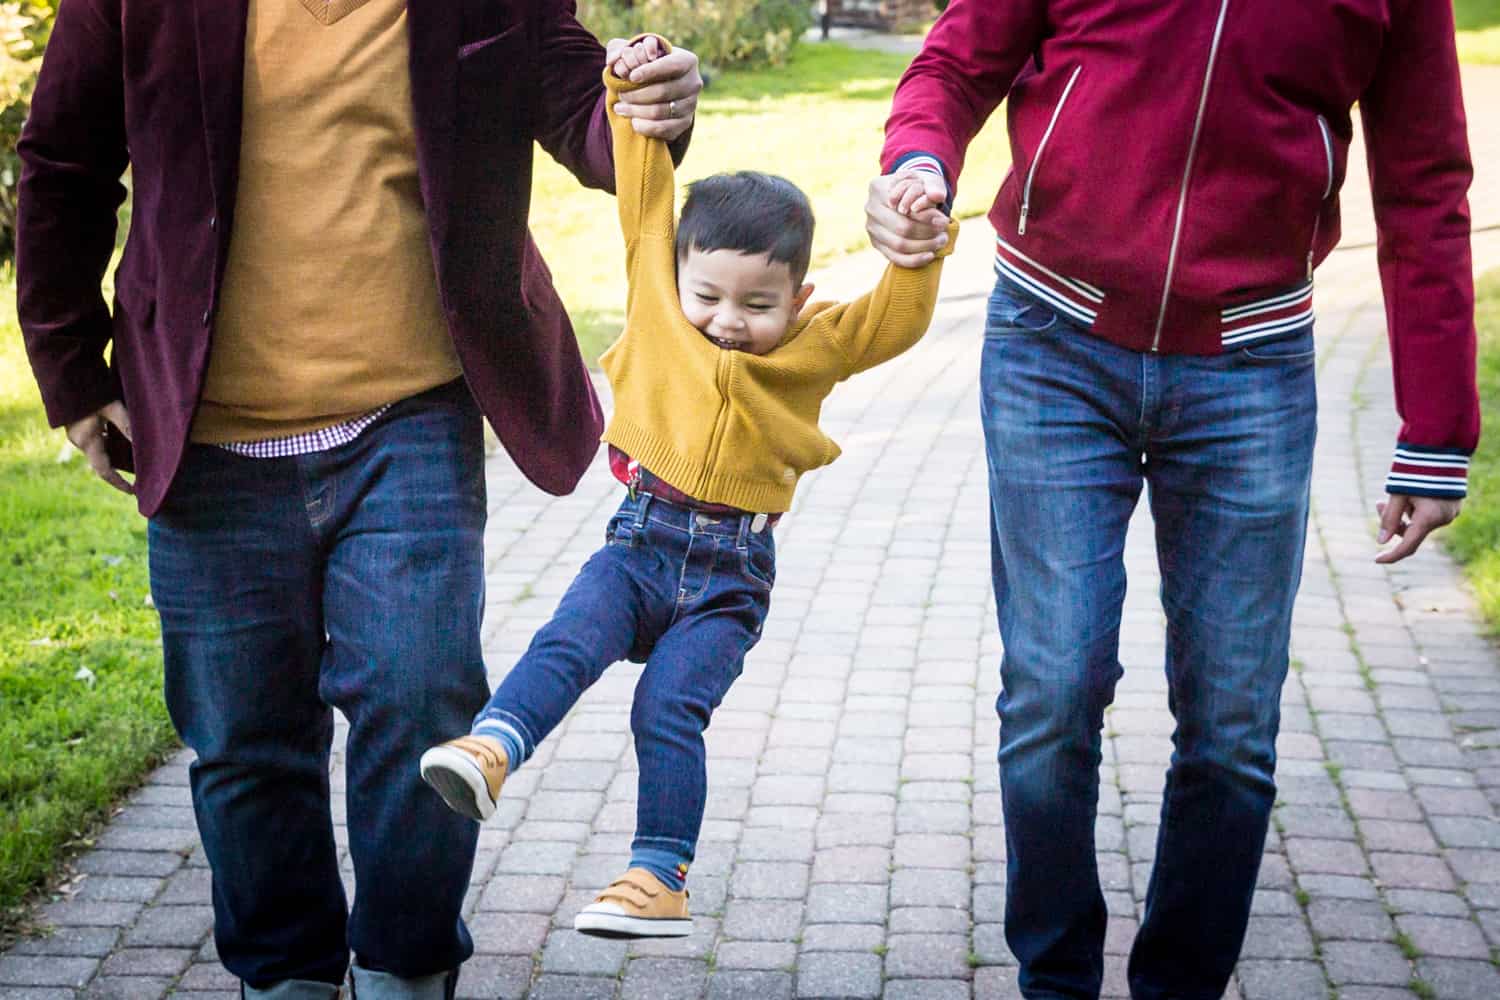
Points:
(24, 27)
(722, 32)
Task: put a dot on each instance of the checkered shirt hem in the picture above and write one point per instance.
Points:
(322, 439)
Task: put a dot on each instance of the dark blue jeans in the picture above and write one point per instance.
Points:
(683, 592)
(352, 578)
(1074, 426)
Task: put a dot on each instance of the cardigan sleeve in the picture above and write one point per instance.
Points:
(645, 194)
(882, 323)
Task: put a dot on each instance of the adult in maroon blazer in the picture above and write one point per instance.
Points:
(341, 567)
(1175, 179)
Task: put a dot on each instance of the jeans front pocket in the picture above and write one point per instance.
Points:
(1013, 312)
(758, 561)
(1297, 349)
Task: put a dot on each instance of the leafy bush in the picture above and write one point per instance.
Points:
(24, 27)
(722, 32)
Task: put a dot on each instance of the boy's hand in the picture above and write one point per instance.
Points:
(662, 106)
(906, 241)
(919, 194)
(636, 55)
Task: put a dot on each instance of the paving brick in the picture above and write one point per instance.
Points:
(852, 864)
(839, 974)
(762, 920)
(169, 962)
(141, 863)
(1277, 937)
(569, 953)
(927, 989)
(1327, 857)
(78, 942)
(1369, 962)
(509, 933)
(769, 880)
(842, 937)
(928, 920)
(1456, 979)
(1276, 979)
(1444, 937)
(1412, 871)
(484, 977)
(26, 970)
(927, 956)
(127, 988)
(664, 979)
(833, 903)
(765, 955)
(738, 985)
(1349, 919)
(171, 926)
(567, 987)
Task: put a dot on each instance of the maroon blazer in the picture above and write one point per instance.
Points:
(157, 85)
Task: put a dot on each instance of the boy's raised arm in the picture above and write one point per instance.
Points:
(645, 187)
(892, 317)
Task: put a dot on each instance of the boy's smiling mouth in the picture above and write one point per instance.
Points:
(728, 345)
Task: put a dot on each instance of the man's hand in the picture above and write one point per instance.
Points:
(904, 222)
(1411, 519)
(662, 107)
(89, 436)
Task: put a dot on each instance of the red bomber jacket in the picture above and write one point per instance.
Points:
(1176, 169)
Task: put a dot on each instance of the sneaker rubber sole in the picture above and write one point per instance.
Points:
(618, 925)
(454, 775)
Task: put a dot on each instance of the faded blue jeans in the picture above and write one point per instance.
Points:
(351, 579)
(1074, 426)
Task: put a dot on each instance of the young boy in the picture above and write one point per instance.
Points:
(718, 379)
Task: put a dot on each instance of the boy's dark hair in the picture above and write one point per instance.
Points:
(749, 212)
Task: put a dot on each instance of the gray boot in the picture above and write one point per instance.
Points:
(369, 984)
(292, 989)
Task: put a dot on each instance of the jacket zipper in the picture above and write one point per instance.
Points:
(1187, 173)
(716, 439)
(1041, 146)
(1312, 247)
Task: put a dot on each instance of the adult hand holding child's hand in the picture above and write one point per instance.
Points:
(662, 106)
(903, 217)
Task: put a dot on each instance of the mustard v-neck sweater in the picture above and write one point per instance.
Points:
(732, 427)
(329, 307)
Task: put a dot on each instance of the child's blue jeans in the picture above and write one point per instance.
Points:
(682, 591)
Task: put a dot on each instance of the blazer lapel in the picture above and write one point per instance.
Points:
(433, 27)
(220, 28)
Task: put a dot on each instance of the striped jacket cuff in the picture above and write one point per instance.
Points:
(1429, 472)
(926, 163)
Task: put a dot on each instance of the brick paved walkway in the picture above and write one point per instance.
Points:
(853, 845)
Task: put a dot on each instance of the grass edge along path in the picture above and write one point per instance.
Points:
(1474, 539)
(81, 712)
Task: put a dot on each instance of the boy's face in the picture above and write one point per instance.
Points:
(740, 301)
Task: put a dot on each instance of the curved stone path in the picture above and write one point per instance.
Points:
(853, 845)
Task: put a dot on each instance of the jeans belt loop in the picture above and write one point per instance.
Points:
(642, 503)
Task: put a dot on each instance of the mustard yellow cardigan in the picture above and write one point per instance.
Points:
(730, 427)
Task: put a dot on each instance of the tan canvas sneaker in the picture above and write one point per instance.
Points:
(467, 773)
(636, 905)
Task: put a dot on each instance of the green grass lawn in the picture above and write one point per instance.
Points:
(81, 713)
(817, 121)
(1478, 24)
(1475, 537)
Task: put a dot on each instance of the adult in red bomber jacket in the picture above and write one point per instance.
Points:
(1176, 169)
